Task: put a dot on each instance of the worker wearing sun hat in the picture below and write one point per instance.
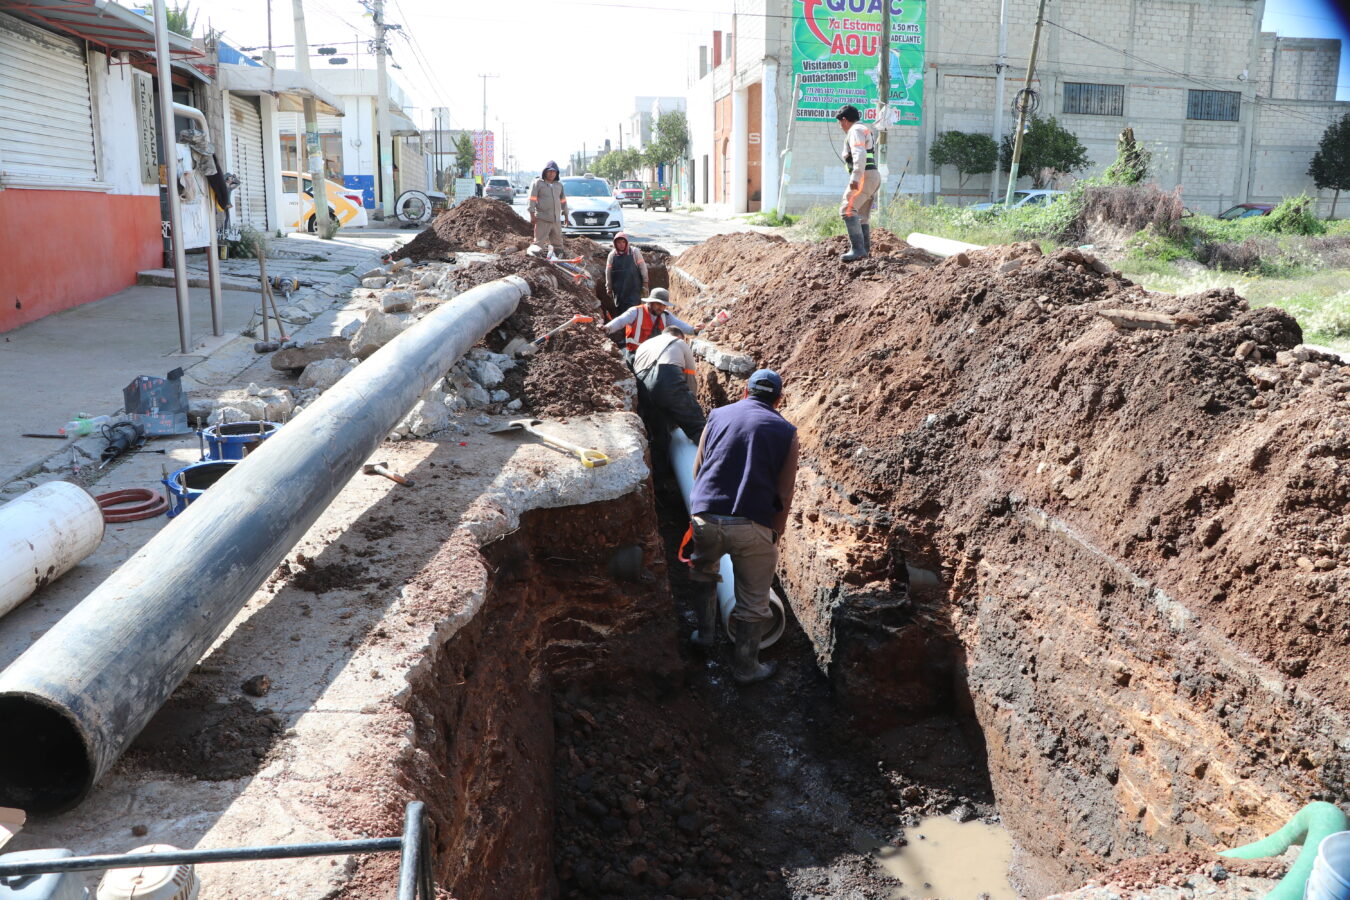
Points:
(548, 208)
(744, 476)
(647, 320)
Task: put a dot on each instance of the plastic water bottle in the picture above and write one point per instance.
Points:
(82, 425)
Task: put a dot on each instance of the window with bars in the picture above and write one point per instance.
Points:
(1094, 99)
(1214, 106)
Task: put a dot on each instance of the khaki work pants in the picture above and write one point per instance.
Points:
(754, 559)
(858, 201)
(548, 232)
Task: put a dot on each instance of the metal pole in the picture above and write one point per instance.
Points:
(999, 68)
(1023, 103)
(168, 149)
(785, 178)
(883, 97)
(382, 126)
(213, 248)
(318, 179)
(82, 692)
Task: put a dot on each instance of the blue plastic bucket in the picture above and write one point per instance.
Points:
(188, 483)
(237, 439)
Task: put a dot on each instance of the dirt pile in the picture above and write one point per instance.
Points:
(580, 370)
(463, 227)
(1126, 544)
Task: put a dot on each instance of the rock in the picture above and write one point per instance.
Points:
(399, 265)
(200, 405)
(224, 415)
(349, 330)
(1011, 265)
(486, 373)
(638, 866)
(378, 272)
(139, 830)
(428, 416)
(500, 396)
(257, 686)
(377, 330)
(474, 394)
(1308, 371)
(269, 404)
(962, 260)
(514, 346)
(397, 301)
(324, 373)
(295, 315)
(1264, 377)
(294, 358)
(1244, 350)
(375, 282)
(514, 405)
(1138, 319)
(427, 281)
(481, 419)
(731, 363)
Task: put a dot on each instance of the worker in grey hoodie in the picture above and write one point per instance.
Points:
(548, 208)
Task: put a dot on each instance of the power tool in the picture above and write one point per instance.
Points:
(121, 437)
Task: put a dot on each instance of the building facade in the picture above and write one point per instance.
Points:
(1230, 113)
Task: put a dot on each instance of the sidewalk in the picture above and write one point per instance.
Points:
(78, 361)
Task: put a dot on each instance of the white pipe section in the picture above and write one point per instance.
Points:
(43, 534)
(940, 246)
(682, 453)
(213, 249)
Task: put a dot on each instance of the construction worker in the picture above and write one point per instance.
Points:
(664, 366)
(864, 180)
(548, 208)
(744, 475)
(639, 323)
(625, 274)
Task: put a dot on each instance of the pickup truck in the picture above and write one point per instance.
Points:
(656, 195)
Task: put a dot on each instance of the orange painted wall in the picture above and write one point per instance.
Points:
(60, 249)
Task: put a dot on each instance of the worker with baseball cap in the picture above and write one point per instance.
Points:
(744, 476)
(864, 180)
(548, 207)
(646, 320)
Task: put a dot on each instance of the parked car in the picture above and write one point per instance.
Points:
(500, 189)
(346, 205)
(591, 206)
(630, 192)
(1021, 199)
(1246, 211)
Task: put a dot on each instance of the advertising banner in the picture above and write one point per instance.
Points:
(484, 153)
(836, 46)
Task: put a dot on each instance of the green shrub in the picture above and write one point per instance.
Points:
(772, 219)
(1294, 215)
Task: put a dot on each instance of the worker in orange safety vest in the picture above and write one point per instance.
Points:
(646, 321)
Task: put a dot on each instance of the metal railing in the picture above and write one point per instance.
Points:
(415, 880)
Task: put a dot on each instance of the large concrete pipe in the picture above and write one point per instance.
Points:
(682, 453)
(74, 700)
(43, 534)
(940, 246)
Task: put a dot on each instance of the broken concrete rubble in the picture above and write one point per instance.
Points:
(377, 330)
(397, 301)
(324, 373)
(296, 358)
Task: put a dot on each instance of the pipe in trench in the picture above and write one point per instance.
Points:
(79, 695)
(43, 535)
(1308, 827)
(682, 453)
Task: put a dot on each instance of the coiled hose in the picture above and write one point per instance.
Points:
(1308, 827)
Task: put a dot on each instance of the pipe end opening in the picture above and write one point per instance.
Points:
(44, 764)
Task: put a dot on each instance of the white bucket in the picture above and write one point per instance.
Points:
(1330, 878)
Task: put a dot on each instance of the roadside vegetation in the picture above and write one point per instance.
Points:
(1288, 258)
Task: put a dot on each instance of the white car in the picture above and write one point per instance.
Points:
(344, 204)
(1021, 199)
(591, 206)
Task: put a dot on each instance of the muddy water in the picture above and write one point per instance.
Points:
(950, 860)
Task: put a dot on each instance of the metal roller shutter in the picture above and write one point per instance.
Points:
(46, 120)
(246, 138)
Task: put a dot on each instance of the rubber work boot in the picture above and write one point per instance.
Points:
(867, 240)
(855, 240)
(746, 667)
(705, 609)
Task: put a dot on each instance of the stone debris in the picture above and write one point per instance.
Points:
(296, 358)
(324, 373)
(397, 301)
(378, 329)
(375, 282)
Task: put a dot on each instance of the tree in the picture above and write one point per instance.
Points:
(1132, 160)
(969, 154)
(670, 139)
(1048, 149)
(464, 154)
(1330, 167)
(618, 164)
(175, 18)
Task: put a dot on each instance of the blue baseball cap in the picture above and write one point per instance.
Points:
(765, 381)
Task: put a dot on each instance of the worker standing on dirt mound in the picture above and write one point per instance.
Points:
(664, 366)
(548, 207)
(744, 475)
(864, 180)
(625, 274)
(641, 323)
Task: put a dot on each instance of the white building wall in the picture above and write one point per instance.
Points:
(116, 118)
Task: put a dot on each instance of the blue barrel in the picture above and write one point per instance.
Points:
(237, 439)
(187, 483)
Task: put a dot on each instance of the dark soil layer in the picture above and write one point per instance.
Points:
(462, 227)
(198, 736)
(727, 792)
(1137, 536)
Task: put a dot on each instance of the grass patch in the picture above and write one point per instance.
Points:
(772, 219)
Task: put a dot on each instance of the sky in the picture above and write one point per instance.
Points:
(567, 71)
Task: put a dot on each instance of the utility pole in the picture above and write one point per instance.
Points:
(485, 78)
(317, 178)
(1023, 106)
(386, 148)
(998, 90)
(883, 97)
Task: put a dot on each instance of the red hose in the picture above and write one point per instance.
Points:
(131, 505)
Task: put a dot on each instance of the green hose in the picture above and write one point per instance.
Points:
(1308, 826)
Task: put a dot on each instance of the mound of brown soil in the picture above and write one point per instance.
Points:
(463, 227)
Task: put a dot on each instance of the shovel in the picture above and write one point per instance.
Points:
(575, 320)
(591, 459)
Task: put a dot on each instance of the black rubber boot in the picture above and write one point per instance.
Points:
(705, 609)
(867, 240)
(855, 239)
(746, 667)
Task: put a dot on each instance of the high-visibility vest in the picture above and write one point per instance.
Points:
(643, 327)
